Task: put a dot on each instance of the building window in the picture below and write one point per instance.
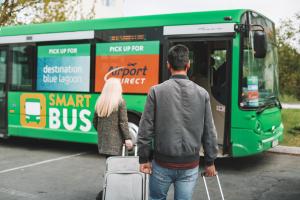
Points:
(108, 3)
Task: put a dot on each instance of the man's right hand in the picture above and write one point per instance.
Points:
(210, 170)
(146, 168)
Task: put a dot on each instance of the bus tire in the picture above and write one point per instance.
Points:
(133, 125)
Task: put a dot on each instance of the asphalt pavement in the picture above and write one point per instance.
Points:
(50, 170)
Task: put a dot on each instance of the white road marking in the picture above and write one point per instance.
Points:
(42, 162)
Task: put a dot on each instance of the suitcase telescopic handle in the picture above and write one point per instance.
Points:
(124, 150)
(219, 184)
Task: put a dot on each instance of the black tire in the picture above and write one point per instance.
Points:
(99, 196)
(133, 123)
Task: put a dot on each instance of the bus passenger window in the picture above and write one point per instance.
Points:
(22, 68)
(3, 65)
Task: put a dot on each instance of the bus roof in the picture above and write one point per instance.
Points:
(207, 17)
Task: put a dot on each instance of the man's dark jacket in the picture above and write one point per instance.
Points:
(178, 119)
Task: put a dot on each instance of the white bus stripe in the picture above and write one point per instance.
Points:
(42, 162)
(76, 35)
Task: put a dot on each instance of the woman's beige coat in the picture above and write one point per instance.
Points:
(112, 131)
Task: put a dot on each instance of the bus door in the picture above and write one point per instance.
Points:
(210, 64)
(3, 91)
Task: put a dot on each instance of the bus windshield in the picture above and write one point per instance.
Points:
(259, 75)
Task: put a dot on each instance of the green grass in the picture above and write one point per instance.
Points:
(288, 99)
(291, 122)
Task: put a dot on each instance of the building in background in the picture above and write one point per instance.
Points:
(93, 9)
(109, 8)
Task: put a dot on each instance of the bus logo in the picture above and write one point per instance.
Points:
(33, 110)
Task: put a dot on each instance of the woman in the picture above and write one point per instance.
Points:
(110, 119)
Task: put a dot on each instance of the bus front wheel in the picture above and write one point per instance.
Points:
(133, 125)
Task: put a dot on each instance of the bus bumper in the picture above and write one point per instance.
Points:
(246, 142)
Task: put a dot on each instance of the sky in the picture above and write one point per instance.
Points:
(276, 10)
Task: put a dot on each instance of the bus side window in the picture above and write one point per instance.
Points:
(22, 68)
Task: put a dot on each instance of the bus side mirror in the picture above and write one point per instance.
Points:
(260, 44)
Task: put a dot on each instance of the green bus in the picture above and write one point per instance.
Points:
(51, 74)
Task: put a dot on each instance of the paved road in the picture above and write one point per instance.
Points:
(45, 170)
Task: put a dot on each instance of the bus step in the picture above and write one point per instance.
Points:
(220, 153)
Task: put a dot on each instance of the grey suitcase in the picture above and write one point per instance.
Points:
(205, 184)
(123, 180)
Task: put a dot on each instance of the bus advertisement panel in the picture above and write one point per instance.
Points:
(64, 111)
(58, 116)
(135, 63)
(63, 68)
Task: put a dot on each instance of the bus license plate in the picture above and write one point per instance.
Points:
(274, 143)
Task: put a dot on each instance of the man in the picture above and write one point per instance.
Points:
(177, 119)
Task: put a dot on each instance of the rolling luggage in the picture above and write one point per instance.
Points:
(219, 184)
(123, 180)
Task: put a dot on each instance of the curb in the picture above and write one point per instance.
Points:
(285, 150)
(290, 106)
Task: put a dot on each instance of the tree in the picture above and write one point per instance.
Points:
(9, 10)
(14, 12)
(288, 38)
(289, 32)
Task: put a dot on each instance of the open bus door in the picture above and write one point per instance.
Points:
(3, 90)
(210, 68)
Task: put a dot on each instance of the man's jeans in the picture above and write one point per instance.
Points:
(161, 179)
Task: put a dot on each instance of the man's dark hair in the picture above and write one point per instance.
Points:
(178, 57)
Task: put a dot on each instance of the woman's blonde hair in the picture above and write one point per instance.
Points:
(110, 97)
